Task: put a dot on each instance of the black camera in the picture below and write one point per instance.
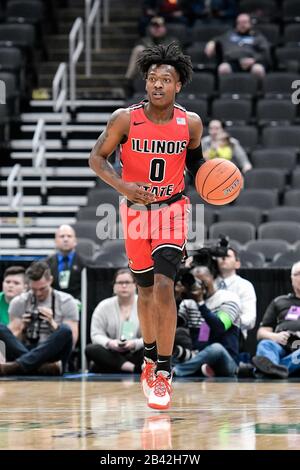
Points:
(191, 284)
(206, 256)
(33, 328)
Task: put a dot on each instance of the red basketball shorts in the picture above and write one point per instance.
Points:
(146, 231)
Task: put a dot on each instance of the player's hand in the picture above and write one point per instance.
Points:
(282, 337)
(136, 192)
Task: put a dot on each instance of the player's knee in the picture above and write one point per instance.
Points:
(224, 68)
(167, 261)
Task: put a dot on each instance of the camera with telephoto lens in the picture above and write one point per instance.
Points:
(207, 256)
(33, 328)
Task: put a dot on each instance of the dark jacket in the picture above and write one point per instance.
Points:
(75, 277)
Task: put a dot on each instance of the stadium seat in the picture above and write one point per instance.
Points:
(12, 92)
(272, 111)
(199, 58)
(285, 260)
(264, 178)
(269, 248)
(246, 135)
(87, 213)
(281, 136)
(287, 58)
(291, 11)
(86, 248)
(179, 32)
(205, 32)
(270, 31)
(195, 105)
(278, 84)
(251, 259)
(261, 10)
(274, 158)
(288, 231)
(87, 229)
(292, 198)
(242, 232)
(291, 34)
(296, 178)
(260, 198)
(202, 86)
(281, 213)
(237, 85)
(240, 214)
(230, 110)
(104, 196)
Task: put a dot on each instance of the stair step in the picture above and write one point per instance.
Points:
(36, 230)
(96, 81)
(23, 252)
(43, 209)
(80, 103)
(52, 156)
(53, 172)
(56, 117)
(97, 67)
(107, 54)
(73, 144)
(69, 127)
(54, 184)
(5, 222)
(65, 201)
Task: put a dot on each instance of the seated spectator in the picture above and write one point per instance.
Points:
(278, 352)
(66, 264)
(43, 327)
(117, 345)
(219, 144)
(212, 318)
(157, 34)
(13, 285)
(242, 49)
(229, 279)
(212, 11)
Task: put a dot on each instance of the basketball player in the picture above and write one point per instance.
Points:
(158, 139)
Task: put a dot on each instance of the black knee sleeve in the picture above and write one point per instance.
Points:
(167, 261)
(144, 279)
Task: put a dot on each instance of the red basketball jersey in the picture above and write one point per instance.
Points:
(155, 153)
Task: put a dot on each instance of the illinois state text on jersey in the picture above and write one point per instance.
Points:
(155, 153)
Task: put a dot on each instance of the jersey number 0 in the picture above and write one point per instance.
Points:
(157, 169)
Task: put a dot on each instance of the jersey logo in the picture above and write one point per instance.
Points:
(181, 121)
(138, 123)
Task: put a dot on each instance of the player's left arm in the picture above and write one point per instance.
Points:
(194, 155)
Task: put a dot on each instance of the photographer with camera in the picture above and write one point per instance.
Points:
(213, 320)
(117, 345)
(278, 352)
(43, 327)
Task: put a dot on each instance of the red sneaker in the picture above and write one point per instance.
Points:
(148, 376)
(160, 392)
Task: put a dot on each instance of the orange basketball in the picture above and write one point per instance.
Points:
(218, 181)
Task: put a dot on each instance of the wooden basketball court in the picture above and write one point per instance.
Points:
(112, 415)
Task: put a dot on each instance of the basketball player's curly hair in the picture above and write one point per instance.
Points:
(170, 54)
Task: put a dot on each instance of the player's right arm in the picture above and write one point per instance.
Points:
(116, 131)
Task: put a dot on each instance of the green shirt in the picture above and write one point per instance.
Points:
(4, 317)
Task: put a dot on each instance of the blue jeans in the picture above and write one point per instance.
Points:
(215, 355)
(277, 354)
(57, 347)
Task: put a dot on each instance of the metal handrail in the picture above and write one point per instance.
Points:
(106, 12)
(60, 96)
(92, 18)
(76, 44)
(39, 153)
(15, 201)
